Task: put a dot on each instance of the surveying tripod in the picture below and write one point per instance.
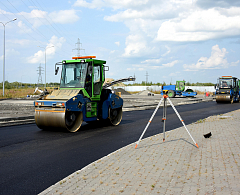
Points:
(164, 119)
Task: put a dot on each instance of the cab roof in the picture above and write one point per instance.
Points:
(85, 59)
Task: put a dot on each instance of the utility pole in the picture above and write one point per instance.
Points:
(78, 48)
(40, 69)
(4, 24)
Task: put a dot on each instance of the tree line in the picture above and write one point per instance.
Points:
(17, 85)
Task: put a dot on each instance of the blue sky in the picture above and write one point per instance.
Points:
(191, 40)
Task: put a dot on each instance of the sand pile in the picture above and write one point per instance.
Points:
(123, 92)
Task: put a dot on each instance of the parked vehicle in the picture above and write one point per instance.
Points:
(178, 89)
(227, 89)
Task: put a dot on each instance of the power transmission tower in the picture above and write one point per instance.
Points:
(39, 70)
(146, 77)
(78, 47)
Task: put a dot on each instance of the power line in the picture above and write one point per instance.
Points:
(33, 28)
(53, 23)
(27, 21)
(44, 24)
(40, 20)
(17, 25)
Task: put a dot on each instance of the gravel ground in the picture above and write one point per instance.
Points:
(23, 109)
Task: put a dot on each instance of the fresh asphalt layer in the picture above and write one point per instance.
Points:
(175, 166)
(32, 160)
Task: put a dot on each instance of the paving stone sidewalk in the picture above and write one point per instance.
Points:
(175, 166)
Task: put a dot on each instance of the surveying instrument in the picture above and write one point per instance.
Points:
(164, 98)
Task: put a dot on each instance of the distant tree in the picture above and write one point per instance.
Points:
(7, 85)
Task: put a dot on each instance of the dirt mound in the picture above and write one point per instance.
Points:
(145, 92)
(109, 80)
(123, 92)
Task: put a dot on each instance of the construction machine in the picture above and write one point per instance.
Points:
(178, 89)
(82, 96)
(227, 89)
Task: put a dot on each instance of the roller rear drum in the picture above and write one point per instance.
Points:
(50, 119)
(223, 98)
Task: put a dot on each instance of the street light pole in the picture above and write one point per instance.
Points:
(45, 62)
(4, 50)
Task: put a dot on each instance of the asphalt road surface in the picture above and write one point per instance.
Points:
(31, 160)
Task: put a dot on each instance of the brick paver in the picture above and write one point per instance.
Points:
(175, 166)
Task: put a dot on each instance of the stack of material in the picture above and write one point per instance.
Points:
(123, 92)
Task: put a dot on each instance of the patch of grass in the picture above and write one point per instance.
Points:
(201, 121)
(20, 93)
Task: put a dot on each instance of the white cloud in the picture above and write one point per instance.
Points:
(22, 42)
(152, 64)
(56, 42)
(38, 57)
(213, 3)
(217, 60)
(23, 28)
(34, 17)
(167, 52)
(155, 12)
(116, 4)
(117, 43)
(135, 45)
(200, 25)
(64, 16)
(174, 20)
(170, 64)
(10, 53)
(234, 63)
(38, 18)
(152, 61)
(94, 4)
(174, 74)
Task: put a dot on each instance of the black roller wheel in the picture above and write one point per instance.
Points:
(115, 116)
(73, 121)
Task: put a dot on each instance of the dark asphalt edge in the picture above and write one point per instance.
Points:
(30, 119)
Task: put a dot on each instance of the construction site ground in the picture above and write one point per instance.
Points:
(175, 166)
(21, 111)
